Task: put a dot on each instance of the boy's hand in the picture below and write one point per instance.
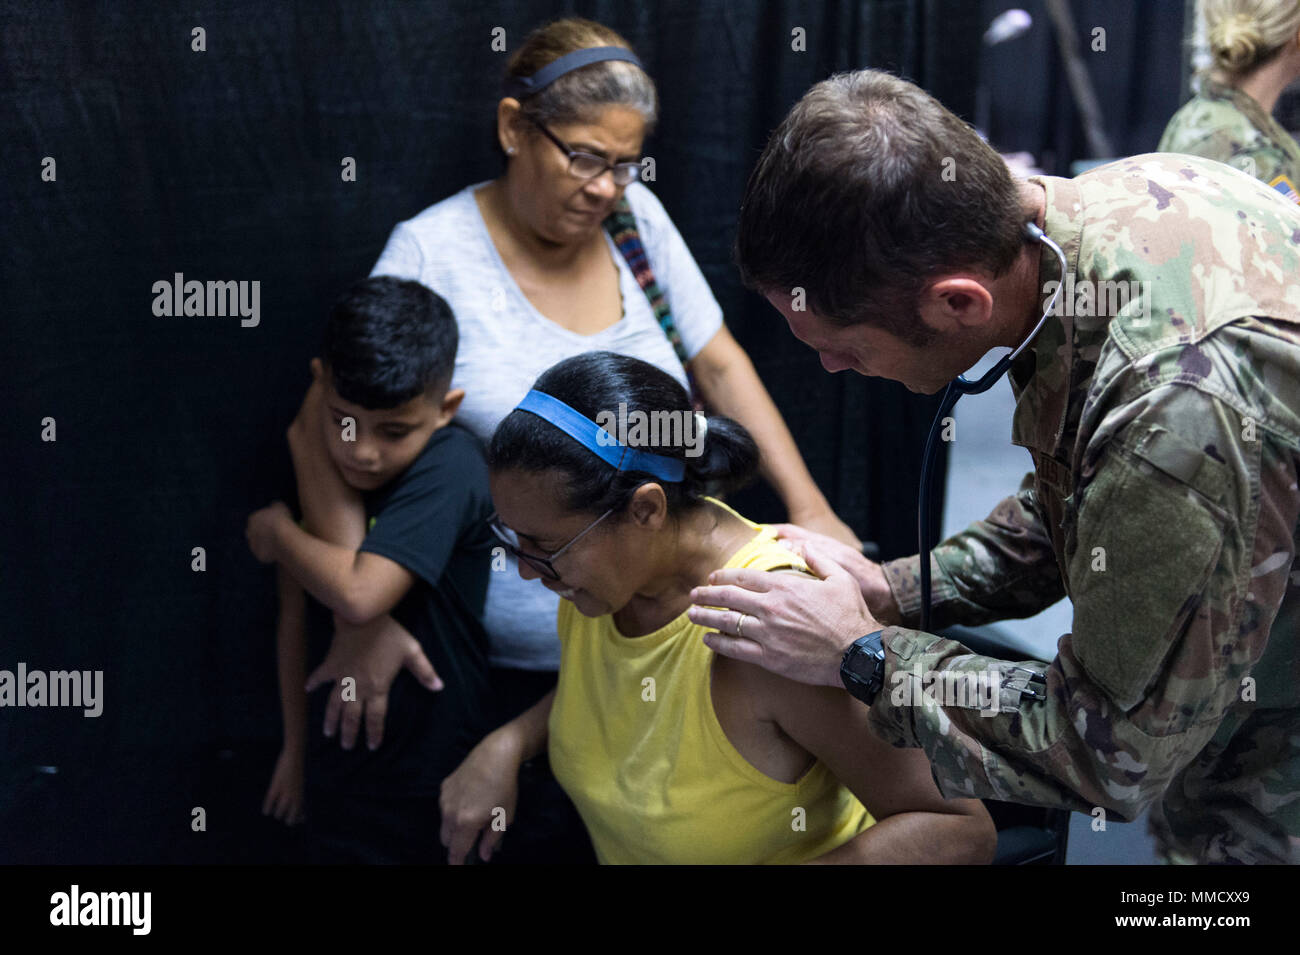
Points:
(284, 795)
(372, 655)
(261, 530)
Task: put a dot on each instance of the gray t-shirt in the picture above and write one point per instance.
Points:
(505, 343)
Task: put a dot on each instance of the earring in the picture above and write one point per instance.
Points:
(510, 150)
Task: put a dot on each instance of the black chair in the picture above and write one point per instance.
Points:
(1029, 835)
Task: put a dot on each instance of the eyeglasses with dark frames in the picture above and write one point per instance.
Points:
(589, 165)
(543, 565)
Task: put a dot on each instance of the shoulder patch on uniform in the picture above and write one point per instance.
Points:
(1285, 186)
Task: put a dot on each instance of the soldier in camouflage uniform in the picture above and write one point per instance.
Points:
(1225, 124)
(1254, 48)
(1165, 434)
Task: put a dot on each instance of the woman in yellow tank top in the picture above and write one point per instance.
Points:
(603, 479)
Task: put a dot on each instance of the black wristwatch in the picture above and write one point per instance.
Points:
(862, 669)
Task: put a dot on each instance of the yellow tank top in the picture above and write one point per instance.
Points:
(635, 742)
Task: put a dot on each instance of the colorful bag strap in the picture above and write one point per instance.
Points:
(621, 226)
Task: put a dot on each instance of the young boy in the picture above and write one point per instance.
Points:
(385, 371)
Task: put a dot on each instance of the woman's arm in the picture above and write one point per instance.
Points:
(914, 823)
(957, 836)
(527, 732)
(480, 795)
(731, 386)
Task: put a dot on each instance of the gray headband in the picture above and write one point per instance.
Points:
(521, 86)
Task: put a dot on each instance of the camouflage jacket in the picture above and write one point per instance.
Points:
(1227, 125)
(1164, 425)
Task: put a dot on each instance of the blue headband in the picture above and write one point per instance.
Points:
(587, 433)
(521, 86)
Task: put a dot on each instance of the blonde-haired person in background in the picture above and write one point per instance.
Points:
(1255, 46)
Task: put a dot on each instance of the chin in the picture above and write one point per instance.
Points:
(928, 389)
(588, 607)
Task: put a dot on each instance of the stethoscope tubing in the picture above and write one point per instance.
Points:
(956, 388)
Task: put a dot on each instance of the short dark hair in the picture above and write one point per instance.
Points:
(850, 202)
(389, 340)
(599, 381)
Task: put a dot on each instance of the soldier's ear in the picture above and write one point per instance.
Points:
(955, 301)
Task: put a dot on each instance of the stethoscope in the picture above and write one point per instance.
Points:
(956, 388)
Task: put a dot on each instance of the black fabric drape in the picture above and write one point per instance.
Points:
(225, 165)
(1135, 64)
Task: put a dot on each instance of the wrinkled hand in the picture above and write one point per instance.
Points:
(482, 790)
(795, 626)
(283, 800)
(869, 574)
(261, 530)
(372, 655)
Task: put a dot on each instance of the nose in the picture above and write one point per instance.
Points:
(603, 186)
(365, 454)
(526, 570)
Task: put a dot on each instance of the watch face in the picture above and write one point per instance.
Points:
(862, 670)
(862, 664)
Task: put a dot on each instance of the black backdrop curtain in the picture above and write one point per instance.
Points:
(1135, 64)
(225, 165)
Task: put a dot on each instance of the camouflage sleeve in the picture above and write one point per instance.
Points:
(1255, 155)
(995, 569)
(1260, 159)
(1178, 563)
